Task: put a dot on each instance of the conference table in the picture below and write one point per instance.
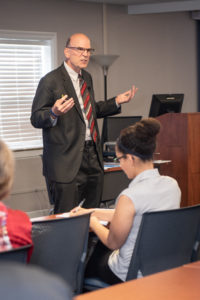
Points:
(182, 283)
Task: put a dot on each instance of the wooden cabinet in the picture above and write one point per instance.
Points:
(179, 141)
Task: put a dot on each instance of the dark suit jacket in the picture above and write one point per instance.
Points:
(64, 143)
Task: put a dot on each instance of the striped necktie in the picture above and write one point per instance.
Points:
(87, 107)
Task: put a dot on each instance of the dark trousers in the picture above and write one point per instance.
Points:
(97, 265)
(88, 184)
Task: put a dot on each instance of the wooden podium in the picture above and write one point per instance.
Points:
(179, 141)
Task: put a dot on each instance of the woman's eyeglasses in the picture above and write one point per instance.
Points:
(117, 159)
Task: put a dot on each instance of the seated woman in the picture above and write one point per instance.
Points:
(15, 226)
(148, 191)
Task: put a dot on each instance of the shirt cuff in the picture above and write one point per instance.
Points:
(53, 121)
(118, 105)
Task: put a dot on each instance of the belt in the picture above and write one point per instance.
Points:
(89, 143)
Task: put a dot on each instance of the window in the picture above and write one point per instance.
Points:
(24, 58)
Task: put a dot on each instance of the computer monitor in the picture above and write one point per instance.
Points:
(111, 130)
(165, 103)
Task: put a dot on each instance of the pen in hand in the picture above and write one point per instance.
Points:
(80, 205)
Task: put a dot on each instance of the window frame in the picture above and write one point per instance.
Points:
(36, 38)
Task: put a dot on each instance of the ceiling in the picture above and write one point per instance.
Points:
(153, 6)
(133, 2)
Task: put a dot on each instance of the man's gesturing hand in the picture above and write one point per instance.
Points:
(62, 105)
(127, 96)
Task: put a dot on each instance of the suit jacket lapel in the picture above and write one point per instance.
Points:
(68, 85)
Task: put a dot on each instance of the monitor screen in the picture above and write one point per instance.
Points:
(113, 125)
(165, 103)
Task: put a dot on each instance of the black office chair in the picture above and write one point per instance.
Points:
(196, 249)
(60, 246)
(19, 281)
(15, 254)
(165, 240)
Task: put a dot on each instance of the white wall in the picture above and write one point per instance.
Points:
(157, 51)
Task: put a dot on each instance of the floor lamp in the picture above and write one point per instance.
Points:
(105, 61)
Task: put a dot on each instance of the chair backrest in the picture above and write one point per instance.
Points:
(60, 246)
(15, 254)
(19, 281)
(165, 240)
(196, 250)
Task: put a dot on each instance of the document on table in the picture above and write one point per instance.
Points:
(109, 165)
(67, 215)
(161, 161)
(64, 215)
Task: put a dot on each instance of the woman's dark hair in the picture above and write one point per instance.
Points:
(139, 139)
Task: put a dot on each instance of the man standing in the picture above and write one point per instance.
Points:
(65, 108)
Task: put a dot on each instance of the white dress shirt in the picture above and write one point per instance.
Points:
(75, 80)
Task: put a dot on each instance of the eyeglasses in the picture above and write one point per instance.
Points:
(117, 159)
(81, 50)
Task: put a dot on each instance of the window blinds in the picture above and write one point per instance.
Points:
(22, 64)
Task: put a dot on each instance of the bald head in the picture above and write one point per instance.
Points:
(76, 37)
(78, 51)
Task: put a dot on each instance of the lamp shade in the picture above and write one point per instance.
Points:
(104, 60)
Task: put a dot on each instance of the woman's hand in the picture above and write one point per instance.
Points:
(77, 211)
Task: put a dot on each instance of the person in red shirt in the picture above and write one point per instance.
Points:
(15, 225)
